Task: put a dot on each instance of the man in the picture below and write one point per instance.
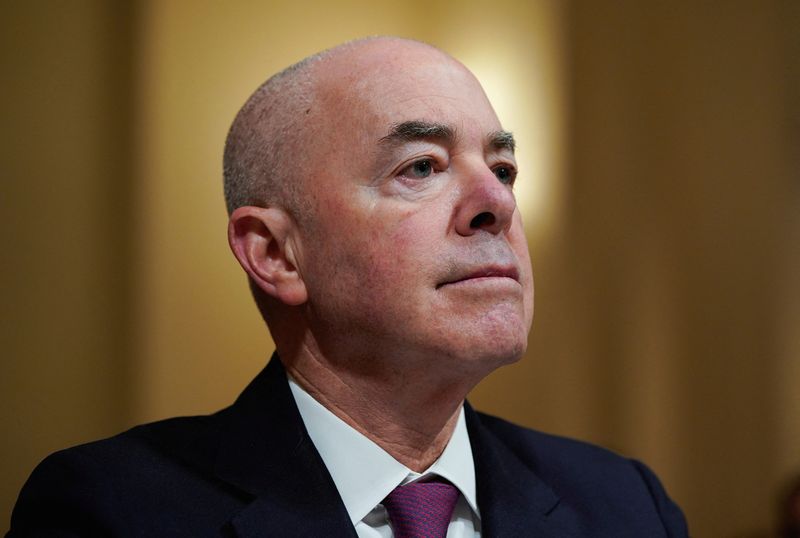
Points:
(370, 192)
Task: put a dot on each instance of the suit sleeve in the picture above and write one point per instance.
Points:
(62, 499)
(671, 516)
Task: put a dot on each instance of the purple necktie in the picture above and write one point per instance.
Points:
(421, 509)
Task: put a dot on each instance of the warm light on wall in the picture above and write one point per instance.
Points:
(524, 85)
(513, 106)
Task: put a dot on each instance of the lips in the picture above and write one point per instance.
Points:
(490, 271)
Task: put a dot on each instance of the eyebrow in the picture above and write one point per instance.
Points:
(502, 140)
(410, 131)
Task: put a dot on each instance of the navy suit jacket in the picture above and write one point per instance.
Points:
(251, 470)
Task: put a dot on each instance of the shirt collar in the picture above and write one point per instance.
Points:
(363, 472)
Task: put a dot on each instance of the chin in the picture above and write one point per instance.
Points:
(502, 332)
(471, 342)
(501, 354)
(482, 352)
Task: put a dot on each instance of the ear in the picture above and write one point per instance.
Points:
(258, 237)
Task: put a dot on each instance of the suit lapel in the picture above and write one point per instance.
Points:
(513, 501)
(267, 453)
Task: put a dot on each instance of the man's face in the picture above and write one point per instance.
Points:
(415, 249)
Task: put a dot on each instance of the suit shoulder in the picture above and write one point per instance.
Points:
(527, 443)
(189, 437)
(558, 458)
(577, 471)
(89, 488)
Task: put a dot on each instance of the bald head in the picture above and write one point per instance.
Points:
(284, 123)
(328, 153)
(257, 165)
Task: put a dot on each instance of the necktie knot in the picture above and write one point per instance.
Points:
(421, 509)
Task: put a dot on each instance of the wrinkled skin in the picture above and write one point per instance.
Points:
(390, 246)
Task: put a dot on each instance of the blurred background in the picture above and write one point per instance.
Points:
(660, 188)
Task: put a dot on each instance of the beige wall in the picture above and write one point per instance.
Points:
(66, 223)
(660, 195)
(683, 200)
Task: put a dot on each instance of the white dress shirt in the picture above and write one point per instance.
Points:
(365, 474)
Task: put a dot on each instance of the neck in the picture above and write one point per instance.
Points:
(412, 419)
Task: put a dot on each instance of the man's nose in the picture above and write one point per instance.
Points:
(485, 204)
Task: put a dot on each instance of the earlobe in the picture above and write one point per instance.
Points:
(260, 239)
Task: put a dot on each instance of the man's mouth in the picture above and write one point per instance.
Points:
(486, 272)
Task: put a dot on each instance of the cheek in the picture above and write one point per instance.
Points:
(393, 266)
(377, 261)
(519, 245)
(390, 258)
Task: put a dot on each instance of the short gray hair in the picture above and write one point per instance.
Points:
(260, 162)
(263, 162)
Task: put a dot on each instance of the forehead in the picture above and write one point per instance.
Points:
(364, 91)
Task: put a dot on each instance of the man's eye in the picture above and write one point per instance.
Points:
(505, 174)
(419, 170)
